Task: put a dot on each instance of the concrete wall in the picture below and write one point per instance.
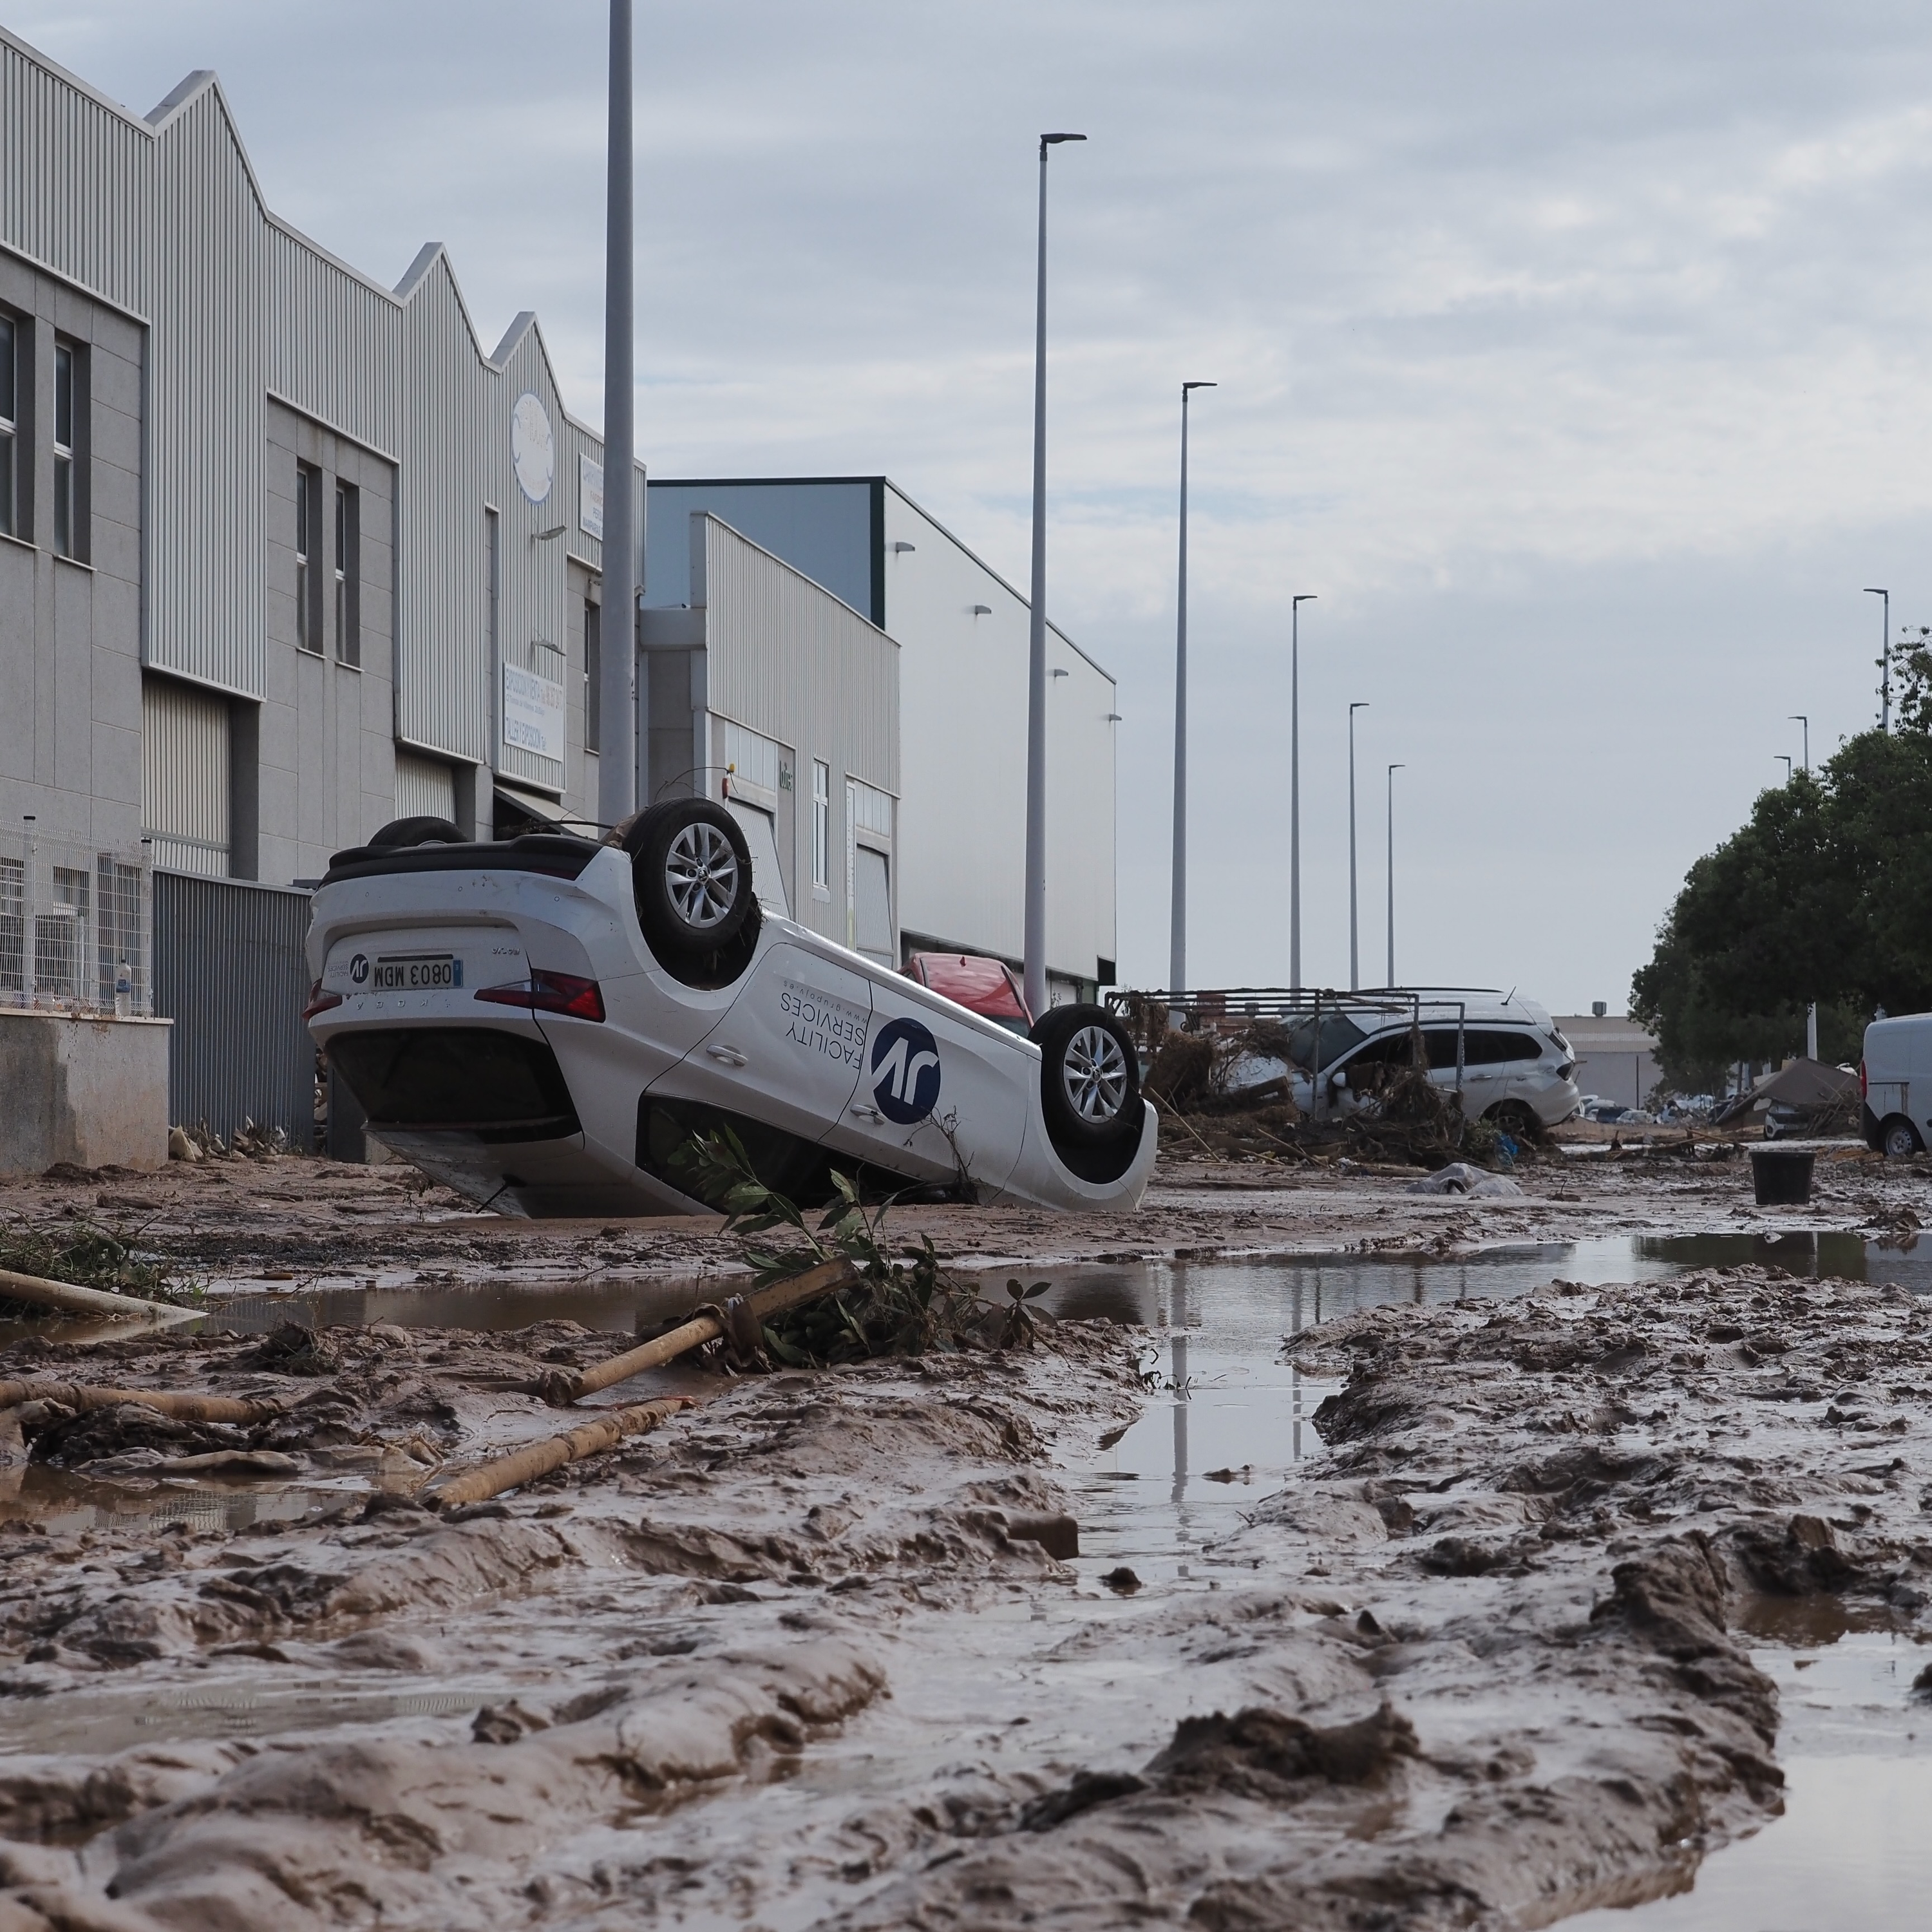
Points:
(1615, 1058)
(326, 757)
(71, 627)
(93, 1092)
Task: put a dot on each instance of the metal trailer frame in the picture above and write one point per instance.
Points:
(1230, 1008)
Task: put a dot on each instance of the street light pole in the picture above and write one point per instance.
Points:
(1392, 770)
(1034, 940)
(616, 754)
(1798, 718)
(1885, 659)
(1355, 934)
(1295, 788)
(1177, 970)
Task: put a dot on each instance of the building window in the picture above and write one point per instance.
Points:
(821, 825)
(593, 676)
(64, 428)
(348, 575)
(9, 423)
(308, 496)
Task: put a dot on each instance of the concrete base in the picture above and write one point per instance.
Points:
(92, 1091)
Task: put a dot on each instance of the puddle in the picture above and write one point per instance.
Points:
(1851, 1849)
(61, 1502)
(1330, 1283)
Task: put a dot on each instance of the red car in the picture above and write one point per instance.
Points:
(988, 987)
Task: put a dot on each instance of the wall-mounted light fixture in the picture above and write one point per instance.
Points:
(550, 536)
(1058, 673)
(982, 610)
(1113, 718)
(897, 548)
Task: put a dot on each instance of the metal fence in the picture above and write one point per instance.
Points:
(74, 925)
(231, 973)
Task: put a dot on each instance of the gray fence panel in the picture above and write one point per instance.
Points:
(230, 972)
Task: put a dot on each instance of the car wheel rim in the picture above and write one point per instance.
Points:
(1093, 1073)
(701, 875)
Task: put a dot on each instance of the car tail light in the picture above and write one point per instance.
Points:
(1865, 1090)
(319, 1002)
(549, 993)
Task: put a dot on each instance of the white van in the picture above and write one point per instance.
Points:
(1895, 1078)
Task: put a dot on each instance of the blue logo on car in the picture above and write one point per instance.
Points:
(905, 1071)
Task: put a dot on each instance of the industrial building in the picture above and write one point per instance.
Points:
(286, 553)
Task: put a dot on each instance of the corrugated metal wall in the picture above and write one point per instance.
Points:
(836, 679)
(424, 788)
(185, 776)
(230, 971)
(164, 219)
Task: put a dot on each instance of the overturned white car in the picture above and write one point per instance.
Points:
(546, 1023)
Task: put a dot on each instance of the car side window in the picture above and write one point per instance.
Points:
(1498, 1049)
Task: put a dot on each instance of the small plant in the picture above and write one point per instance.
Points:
(94, 1257)
(1020, 1328)
(902, 1303)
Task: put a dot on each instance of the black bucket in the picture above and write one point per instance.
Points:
(1782, 1176)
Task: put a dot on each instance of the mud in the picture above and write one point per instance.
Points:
(241, 1224)
(806, 1656)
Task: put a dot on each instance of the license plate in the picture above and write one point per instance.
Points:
(418, 973)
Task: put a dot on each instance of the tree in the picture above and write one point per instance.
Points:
(1824, 894)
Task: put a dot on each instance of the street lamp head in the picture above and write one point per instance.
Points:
(1398, 768)
(1053, 140)
(1361, 704)
(1304, 597)
(1186, 386)
(1873, 590)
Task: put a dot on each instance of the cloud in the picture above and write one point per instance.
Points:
(1577, 357)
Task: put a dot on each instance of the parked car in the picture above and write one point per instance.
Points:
(988, 987)
(545, 1023)
(1895, 1084)
(1515, 1067)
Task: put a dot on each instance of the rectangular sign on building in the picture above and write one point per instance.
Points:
(534, 718)
(590, 497)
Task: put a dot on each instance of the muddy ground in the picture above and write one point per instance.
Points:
(238, 1223)
(807, 1655)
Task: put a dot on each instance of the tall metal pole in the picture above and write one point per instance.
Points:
(1034, 940)
(1884, 659)
(1392, 770)
(617, 744)
(1176, 950)
(1295, 788)
(1354, 931)
(1798, 718)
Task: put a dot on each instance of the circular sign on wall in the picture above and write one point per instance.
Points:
(533, 448)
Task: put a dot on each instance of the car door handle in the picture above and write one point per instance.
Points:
(729, 1055)
(871, 1114)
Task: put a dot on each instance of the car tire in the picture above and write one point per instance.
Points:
(1901, 1138)
(424, 829)
(1089, 1081)
(1513, 1118)
(692, 870)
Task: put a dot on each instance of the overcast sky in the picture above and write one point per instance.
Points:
(1577, 357)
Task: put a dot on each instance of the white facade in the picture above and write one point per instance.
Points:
(962, 634)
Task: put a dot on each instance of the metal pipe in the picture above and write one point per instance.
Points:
(1885, 658)
(1034, 940)
(1177, 974)
(616, 759)
(1354, 930)
(1295, 788)
(1392, 770)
